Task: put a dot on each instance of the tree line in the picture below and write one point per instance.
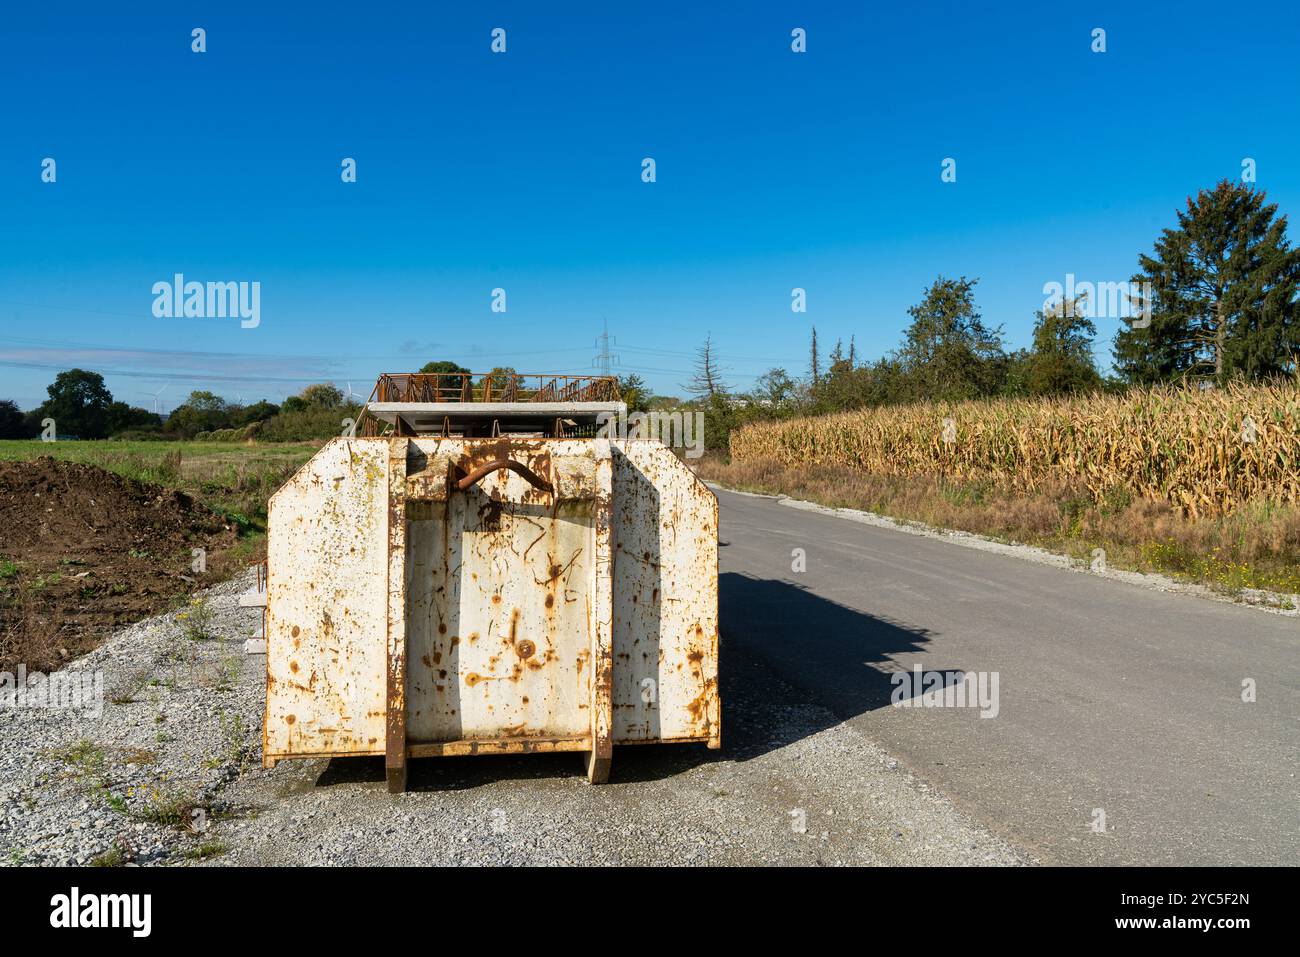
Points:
(82, 407)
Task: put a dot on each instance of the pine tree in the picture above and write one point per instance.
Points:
(706, 383)
(815, 364)
(1224, 287)
(711, 395)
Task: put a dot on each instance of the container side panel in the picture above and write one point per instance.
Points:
(327, 604)
(665, 599)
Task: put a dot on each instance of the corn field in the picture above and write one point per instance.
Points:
(1205, 451)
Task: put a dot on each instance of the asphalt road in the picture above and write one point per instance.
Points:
(1111, 697)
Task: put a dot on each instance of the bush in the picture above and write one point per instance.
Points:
(307, 424)
(136, 435)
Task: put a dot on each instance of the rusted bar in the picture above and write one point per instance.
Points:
(598, 759)
(395, 692)
(533, 479)
(538, 745)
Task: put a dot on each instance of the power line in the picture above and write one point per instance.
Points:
(685, 372)
(691, 355)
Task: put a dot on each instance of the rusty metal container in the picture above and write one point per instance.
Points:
(484, 573)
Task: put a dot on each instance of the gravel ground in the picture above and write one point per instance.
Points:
(170, 773)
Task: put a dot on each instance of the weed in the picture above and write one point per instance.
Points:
(170, 806)
(228, 673)
(235, 744)
(139, 756)
(205, 850)
(115, 856)
(196, 621)
(126, 692)
(85, 756)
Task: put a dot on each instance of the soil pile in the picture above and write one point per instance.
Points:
(84, 550)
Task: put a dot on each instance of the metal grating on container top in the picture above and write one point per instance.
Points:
(438, 393)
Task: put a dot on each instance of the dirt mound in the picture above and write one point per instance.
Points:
(83, 550)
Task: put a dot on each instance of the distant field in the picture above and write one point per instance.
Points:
(234, 478)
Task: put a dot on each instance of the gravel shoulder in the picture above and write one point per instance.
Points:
(170, 774)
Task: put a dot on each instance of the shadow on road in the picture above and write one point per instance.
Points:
(792, 664)
(826, 654)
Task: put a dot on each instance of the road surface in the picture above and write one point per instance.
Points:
(1112, 700)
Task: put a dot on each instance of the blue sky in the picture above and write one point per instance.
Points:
(522, 171)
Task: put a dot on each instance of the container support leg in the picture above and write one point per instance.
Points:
(395, 725)
(602, 657)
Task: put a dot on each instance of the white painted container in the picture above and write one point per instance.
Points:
(441, 596)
